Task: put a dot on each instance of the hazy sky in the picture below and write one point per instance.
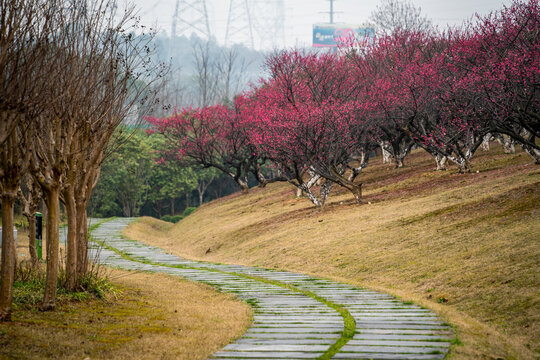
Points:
(301, 14)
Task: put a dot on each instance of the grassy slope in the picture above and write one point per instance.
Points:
(466, 246)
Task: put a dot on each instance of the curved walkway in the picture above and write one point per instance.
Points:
(295, 316)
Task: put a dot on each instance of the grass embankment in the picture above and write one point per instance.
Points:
(144, 316)
(464, 245)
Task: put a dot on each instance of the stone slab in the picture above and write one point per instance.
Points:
(288, 324)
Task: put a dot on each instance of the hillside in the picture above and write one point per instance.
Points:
(464, 245)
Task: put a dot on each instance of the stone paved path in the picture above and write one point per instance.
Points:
(296, 316)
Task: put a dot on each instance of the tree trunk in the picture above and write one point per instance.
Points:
(30, 206)
(534, 153)
(243, 185)
(310, 195)
(441, 162)
(464, 166)
(485, 142)
(356, 190)
(8, 254)
(172, 207)
(82, 243)
(362, 157)
(201, 195)
(398, 162)
(71, 242)
(44, 213)
(507, 142)
(32, 239)
(386, 155)
(126, 208)
(509, 147)
(53, 216)
(337, 176)
(325, 191)
(259, 176)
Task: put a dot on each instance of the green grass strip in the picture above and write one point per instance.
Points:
(98, 224)
(348, 320)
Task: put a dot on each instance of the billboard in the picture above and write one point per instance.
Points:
(329, 35)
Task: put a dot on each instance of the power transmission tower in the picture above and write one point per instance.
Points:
(331, 12)
(269, 23)
(191, 16)
(239, 24)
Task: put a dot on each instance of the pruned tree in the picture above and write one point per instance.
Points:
(211, 137)
(501, 58)
(99, 67)
(310, 122)
(14, 161)
(119, 77)
(52, 145)
(26, 27)
(419, 98)
(30, 196)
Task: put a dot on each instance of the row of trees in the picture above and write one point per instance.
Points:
(318, 115)
(136, 180)
(71, 72)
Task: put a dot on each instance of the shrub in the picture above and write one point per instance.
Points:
(30, 283)
(172, 218)
(167, 218)
(176, 218)
(189, 210)
(21, 223)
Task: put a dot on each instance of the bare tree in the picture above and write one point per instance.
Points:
(171, 93)
(399, 15)
(52, 143)
(116, 75)
(231, 70)
(30, 196)
(13, 164)
(100, 72)
(19, 59)
(26, 26)
(207, 73)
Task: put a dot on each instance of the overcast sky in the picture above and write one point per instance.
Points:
(300, 15)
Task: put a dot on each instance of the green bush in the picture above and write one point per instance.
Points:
(172, 218)
(21, 223)
(176, 218)
(189, 210)
(167, 218)
(29, 285)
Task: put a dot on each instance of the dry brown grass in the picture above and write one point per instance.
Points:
(155, 317)
(466, 246)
